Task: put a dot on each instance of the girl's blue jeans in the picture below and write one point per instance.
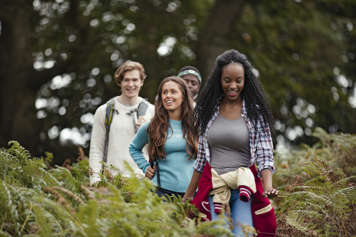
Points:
(240, 212)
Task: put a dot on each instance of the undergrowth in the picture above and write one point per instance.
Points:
(36, 200)
(318, 191)
(317, 198)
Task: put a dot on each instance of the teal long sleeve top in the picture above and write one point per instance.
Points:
(176, 169)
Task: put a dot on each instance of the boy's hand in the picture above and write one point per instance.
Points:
(141, 120)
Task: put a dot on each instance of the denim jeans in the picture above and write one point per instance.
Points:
(240, 212)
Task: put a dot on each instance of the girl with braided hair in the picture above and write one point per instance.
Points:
(235, 133)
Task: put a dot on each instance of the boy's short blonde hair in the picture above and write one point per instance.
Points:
(129, 66)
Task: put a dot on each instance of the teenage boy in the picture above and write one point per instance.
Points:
(116, 122)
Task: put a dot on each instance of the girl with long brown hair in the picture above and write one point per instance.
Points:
(172, 139)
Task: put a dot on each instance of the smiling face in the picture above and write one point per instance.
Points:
(172, 97)
(232, 81)
(131, 84)
(193, 84)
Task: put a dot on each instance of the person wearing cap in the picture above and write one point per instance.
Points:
(192, 77)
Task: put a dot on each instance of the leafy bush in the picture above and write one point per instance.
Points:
(318, 187)
(38, 201)
(318, 196)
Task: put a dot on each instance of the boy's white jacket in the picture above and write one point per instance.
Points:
(121, 134)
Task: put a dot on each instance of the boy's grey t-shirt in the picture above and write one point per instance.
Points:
(229, 144)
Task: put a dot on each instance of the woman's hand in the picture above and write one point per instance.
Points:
(187, 198)
(189, 193)
(269, 191)
(150, 172)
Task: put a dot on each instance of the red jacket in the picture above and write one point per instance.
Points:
(264, 219)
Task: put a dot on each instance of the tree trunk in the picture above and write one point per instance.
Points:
(17, 111)
(223, 16)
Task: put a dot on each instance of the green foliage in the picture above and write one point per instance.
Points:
(38, 201)
(304, 52)
(318, 197)
(318, 187)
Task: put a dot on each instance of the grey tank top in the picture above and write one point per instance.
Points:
(229, 144)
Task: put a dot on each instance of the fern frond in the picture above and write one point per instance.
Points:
(60, 199)
(66, 178)
(314, 196)
(47, 179)
(69, 193)
(48, 223)
(4, 234)
(18, 151)
(346, 180)
(293, 219)
(7, 199)
(346, 190)
(87, 192)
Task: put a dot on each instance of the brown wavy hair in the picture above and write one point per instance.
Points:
(159, 125)
(126, 67)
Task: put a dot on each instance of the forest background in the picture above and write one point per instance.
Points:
(57, 59)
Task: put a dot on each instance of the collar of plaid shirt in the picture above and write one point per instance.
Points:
(259, 138)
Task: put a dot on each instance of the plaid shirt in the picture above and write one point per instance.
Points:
(261, 145)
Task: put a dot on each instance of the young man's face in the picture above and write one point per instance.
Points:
(131, 84)
(193, 84)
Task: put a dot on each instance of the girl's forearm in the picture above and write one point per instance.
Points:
(192, 185)
(267, 179)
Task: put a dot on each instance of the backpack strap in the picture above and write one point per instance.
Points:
(109, 114)
(142, 108)
(140, 111)
(158, 175)
(152, 164)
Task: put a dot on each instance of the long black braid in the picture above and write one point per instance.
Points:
(212, 93)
